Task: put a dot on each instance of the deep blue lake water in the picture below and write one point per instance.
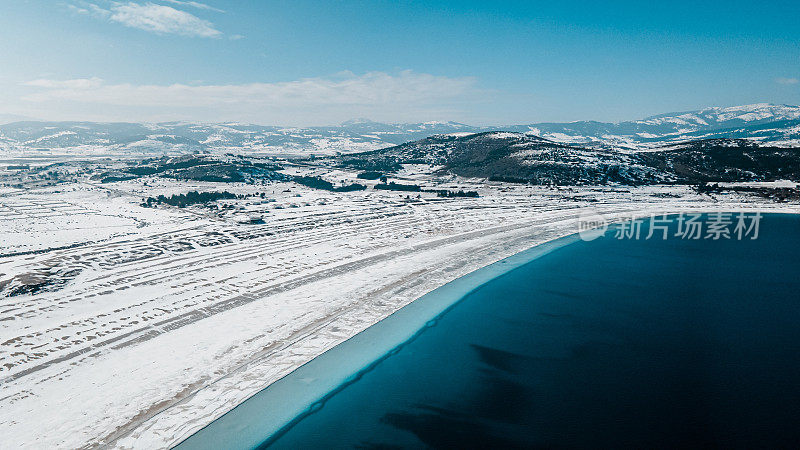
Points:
(608, 343)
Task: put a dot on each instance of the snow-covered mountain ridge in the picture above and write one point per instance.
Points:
(778, 125)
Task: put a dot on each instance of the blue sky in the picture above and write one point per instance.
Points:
(315, 63)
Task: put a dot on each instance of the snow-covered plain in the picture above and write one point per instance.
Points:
(160, 320)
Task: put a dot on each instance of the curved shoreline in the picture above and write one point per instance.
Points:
(600, 336)
(442, 260)
(349, 360)
(179, 422)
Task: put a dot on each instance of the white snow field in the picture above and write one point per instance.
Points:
(150, 323)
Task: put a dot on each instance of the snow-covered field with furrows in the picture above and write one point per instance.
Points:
(140, 338)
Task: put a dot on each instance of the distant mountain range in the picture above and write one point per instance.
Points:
(773, 125)
(778, 125)
(174, 137)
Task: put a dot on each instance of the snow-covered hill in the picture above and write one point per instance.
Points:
(520, 157)
(508, 156)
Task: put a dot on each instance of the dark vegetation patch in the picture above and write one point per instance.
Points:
(370, 175)
(507, 179)
(113, 178)
(325, 185)
(44, 279)
(350, 188)
(392, 186)
(371, 162)
(727, 160)
(200, 168)
(190, 198)
(778, 194)
(452, 194)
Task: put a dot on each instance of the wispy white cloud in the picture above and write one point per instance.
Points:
(787, 80)
(91, 9)
(197, 5)
(78, 9)
(152, 17)
(162, 20)
(380, 95)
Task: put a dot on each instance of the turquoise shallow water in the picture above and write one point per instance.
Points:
(608, 343)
